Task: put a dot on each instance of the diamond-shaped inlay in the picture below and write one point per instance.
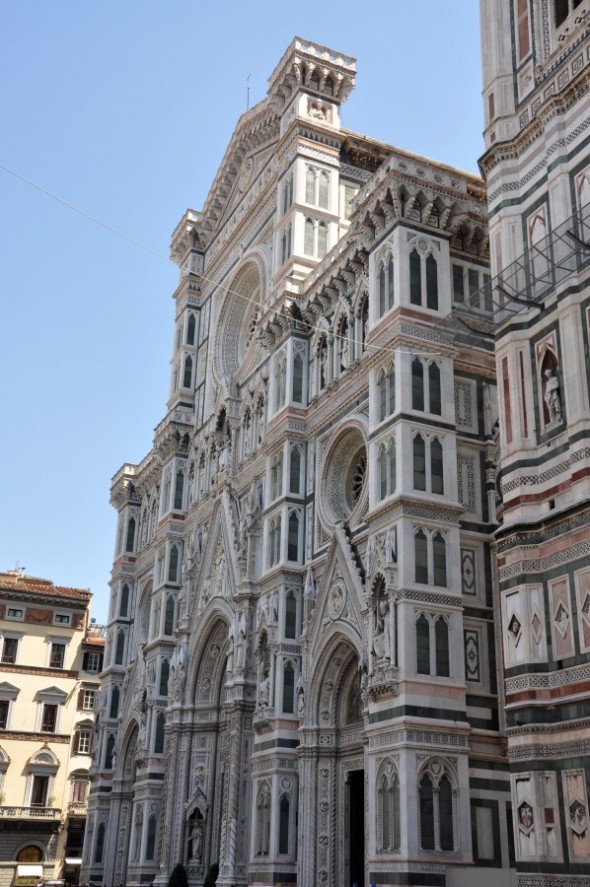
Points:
(578, 817)
(536, 626)
(562, 620)
(514, 627)
(526, 819)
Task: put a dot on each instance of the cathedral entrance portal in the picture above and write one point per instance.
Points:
(356, 822)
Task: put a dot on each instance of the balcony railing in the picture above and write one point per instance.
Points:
(10, 812)
(526, 282)
(76, 808)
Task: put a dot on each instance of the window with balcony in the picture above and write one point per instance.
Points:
(40, 791)
(79, 791)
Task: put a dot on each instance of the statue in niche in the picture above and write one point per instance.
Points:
(551, 396)
(196, 838)
(264, 686)
(382, 632)
(241, 640)
(300, 696)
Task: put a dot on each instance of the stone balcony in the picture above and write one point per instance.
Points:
(44, 813)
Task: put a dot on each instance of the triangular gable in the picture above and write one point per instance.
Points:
(219, 572)
(340, 596)
(8, 691)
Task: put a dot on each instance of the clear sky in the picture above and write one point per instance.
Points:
(124, 109)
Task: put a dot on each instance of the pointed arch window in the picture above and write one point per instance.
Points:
(439, 554)
(386, 285)
(99, 849)
(388, 812)
(130, 543)
(322, 363)
(286, 244)
(437, 815)
(419, 449)
(109, 751)
(263, 820)
(295, 472)
(276, 477)
(417, 384)
(431, 283)
(434, 393)
(291, 615)
(169, 616)
(386, 392)
(315, 241)
(284, 817)
(415, 278)
(179, 490)
(173, 563)
(298, 378)
(343, 344)
(293, 536)
(441, 635)
(287, 193)
(187, 376)
(159, 734)
(421, 556)
(150, 844)
(281, 382)
(288, 687)
(124, 601)
(164, 677)
(422, 645)
(387, 469)
(191, 329)
(436, 467)
(120, 648)
(114, 709)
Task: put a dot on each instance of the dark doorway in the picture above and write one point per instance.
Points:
(357, 827)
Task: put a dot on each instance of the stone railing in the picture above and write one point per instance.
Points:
(10, 812)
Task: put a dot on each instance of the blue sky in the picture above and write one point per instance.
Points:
(124, 109)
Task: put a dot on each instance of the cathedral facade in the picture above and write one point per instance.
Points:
(303, 678)
(537, 171)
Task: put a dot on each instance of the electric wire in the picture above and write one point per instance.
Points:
(219, 286)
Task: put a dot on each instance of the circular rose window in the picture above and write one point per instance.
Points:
(343, 486)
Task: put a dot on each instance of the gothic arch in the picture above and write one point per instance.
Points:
(208, 660)
(336, 666)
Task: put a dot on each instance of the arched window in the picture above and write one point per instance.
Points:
(419, 449)
(287, 193)
(150, 844)
(159, 734)
(364, 321)
(391, 381)
(343, 344)
(421, 557)
(263, 820)
(284, 816)
(276, 478)
(298, 378)
(439, 557)
(415, 278)
(293, 540)
(129, 546)
(286, 244)
(99, 849)
(382, 473)
(281, 382)
(164, 677)
(441, 637)
(179, 490)
(191, 330)
(382, 386)
(417, 385)
(288, 687)
(322, 247)
(169, 616)
(173, 564)
(114, 709)
(432, 283)
(295, 470)
(120, 648)
(436, 467)
(322, 363)
(291, 615)
(437, 825)
(323, 189)
(274, 541)
(124, 601)
(434, 397)
(108, 752)
(392, 465)
(188, 372)
(388, 812)
(382, 293)
(426, 814)
(422, 645)
(308, 237)
(310, 185)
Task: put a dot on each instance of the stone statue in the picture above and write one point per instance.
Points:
(552, 397)
(196, 839)
(382, 636)
(264, 692)
(300, 696)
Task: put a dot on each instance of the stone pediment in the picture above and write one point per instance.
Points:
(340, 596)
(257, 128)
(8, 691)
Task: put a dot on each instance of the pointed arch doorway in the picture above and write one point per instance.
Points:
(333, 795)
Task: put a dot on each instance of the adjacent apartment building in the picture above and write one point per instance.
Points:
(50, 659)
